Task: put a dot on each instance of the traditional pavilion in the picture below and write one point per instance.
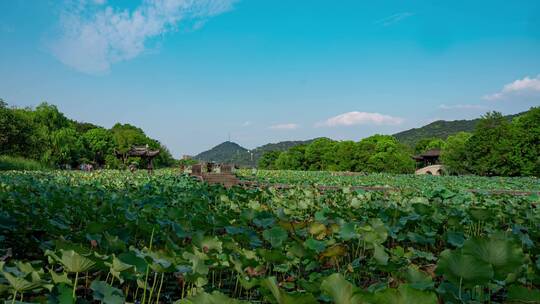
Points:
(145, 153)
(428, 158)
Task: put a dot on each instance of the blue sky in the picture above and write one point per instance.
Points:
(191, 72)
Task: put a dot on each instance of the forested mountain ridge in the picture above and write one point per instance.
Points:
(440, 129)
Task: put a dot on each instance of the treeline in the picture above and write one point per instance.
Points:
(497, 147)
(377, 153)
(46, 135)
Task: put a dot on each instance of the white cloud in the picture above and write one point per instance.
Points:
(360, 118)
(286, 126)
(521, 87)
(395, 18)
(246, 124)
(94, 37)
(462, 107)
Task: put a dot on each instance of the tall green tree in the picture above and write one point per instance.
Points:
(383, 153)
(344, 152)
(454, 153)
(319, 154)
(293, 159)
(526, 143)
(268, 160)
(99, 143)
(66, 148)
(489, 150)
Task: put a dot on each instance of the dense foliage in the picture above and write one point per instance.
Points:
(116, 237)
(378, 153)
(46, 135)
(497, 147)
(440, 129)
(19, 163)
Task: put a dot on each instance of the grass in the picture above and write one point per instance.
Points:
(19, 163)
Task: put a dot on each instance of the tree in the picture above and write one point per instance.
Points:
(50, 117)
(383, 153)
(18, 134)
(344, 152)
(526, 143)
(99, 143)
(427, 144)
(293, 159)
(66, 148)
(454, 153)
(319, 154)
(490, 150)
(268, 160)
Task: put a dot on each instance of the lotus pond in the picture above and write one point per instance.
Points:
(117, 237)
(418, 183)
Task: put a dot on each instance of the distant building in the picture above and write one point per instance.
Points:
(186, 157)
(428, 158)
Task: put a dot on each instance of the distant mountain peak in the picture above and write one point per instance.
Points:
(231, 152)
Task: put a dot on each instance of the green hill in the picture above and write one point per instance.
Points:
(440, 129)
(229, 152)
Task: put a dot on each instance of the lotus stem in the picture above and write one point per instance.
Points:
(460, 282)
(147, 269)
(14, 297)
(75, 284)
(160, 285)
(153, 287)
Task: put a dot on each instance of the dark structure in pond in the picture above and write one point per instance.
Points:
(144, 152)
(428, 158)
(213, 173)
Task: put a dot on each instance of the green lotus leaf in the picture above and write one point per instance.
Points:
(21, 278)
(72, 261)
(404, 294)
(463, 269)
(60, 278)
(347, 231)
(315, 245)
(106, 293)
(374, 233)
(197, 260)
(275, 236)
(131, 258)
(318, 230)
(209, 243)
(21, 284)
(417, 278)
(342, 291)
(380, 254)
(282, 297)
(215, 297)
(521, 294)
(504, 255)
(455, 238)
(334, 251)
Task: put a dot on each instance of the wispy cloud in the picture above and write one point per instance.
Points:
(93, 37)
(393, 19)
(359, 118)
(286, 126)
(462, 107)
(521, 87)
(246, 124)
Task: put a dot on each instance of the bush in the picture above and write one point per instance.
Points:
(19, 163)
